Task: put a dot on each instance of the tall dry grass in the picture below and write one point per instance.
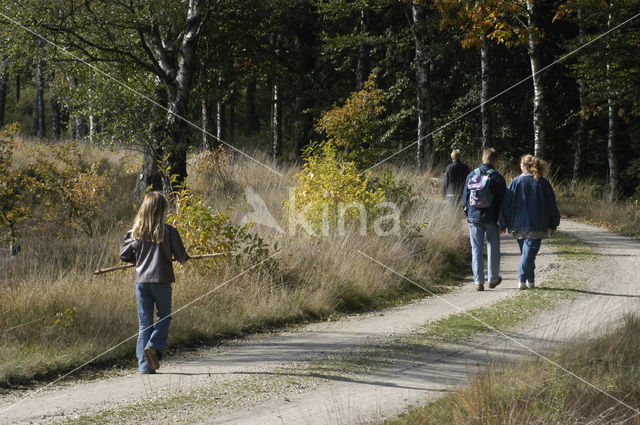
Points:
(587, 200)
(536, 392)
(70, 316)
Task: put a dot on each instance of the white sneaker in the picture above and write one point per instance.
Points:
(531, 285)
(522, 285)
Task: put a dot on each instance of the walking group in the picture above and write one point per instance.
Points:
(527, 209)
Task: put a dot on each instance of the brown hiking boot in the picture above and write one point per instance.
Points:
(479, 287)
(496, 283)
(152, 357)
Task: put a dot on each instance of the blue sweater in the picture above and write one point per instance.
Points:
(529, 205)
(498, 187)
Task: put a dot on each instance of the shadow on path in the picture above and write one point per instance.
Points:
(583, 291)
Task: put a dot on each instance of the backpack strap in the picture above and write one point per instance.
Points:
(489, 171)
(476, 171)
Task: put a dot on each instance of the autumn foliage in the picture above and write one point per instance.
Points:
(356, 126)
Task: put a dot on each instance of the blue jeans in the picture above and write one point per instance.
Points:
(148, 295)
(476, 233)
(528, 249)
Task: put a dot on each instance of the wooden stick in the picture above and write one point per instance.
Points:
(128, 266)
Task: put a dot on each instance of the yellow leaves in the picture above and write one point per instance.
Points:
(357, 122)
(491, 18)
(204, 230)
(328, 183)
(66, 319)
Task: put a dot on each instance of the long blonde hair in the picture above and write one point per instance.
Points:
(149, 222)
(534, 164)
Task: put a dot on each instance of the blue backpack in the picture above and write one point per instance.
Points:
(479, 185)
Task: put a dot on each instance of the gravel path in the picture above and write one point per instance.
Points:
(412, 378)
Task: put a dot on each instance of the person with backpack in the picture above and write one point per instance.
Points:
(482, 197)
(530, 212)
(454, 177)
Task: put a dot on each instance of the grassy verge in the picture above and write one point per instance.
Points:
(538, 393)
(586, 202)
(57, 315)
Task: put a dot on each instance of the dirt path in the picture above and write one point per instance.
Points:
(332, 398)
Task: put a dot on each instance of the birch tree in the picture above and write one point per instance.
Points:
(141, 43)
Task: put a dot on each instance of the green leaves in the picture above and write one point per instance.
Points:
(356, 126)
(204, 230)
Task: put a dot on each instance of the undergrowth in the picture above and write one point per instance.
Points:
(56, 314)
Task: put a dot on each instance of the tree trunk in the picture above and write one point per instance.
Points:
(3, 88)
(535, 58)
(206, 140)
(231, 123)
(17, 87)
(360, 61)
(220, 121)
(149, 177)
(175, 139)
(253, 120)
(78, 128)
(276, 123)
(582, 123)
(484, 94)
(39, 118)
(55, 109)
(612, 135)
(611, 149)
(423, 85)
(93, 122)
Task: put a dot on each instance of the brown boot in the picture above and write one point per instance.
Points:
(496, 283)
(152, 357)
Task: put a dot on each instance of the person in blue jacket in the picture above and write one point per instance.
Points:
(530, 212)
(483, 220)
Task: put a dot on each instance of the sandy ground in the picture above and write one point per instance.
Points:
(611, 279)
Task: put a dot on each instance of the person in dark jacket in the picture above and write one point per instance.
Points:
(483, 220)
(454, 177)
(530, 213)
(150, 245)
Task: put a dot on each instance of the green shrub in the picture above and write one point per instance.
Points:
(395, 190)
(74, 190)
(205, 230)
(16, 185)
(328, 188)
(357, 126)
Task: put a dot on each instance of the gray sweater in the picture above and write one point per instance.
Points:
(153, 260)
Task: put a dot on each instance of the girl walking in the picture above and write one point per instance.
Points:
(150, 245)
(530, 212)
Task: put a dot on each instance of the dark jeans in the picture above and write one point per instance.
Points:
(152, 335)
(528, 249)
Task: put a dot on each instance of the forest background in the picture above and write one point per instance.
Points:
(262, 75)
